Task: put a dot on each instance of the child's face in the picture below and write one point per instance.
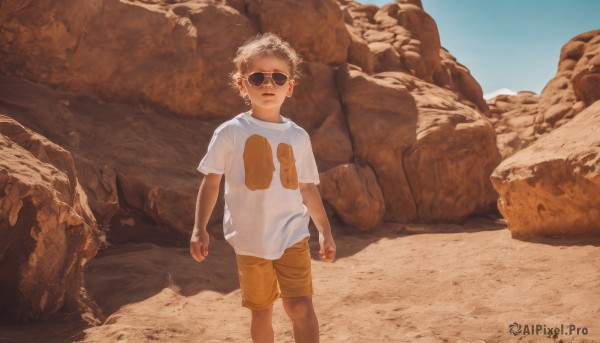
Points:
(268, 95)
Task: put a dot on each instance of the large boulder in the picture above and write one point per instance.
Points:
(422, 145)
(382, 119)
(47, 231)
(172, 55)
(552, 187)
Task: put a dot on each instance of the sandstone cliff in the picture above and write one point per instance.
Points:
(365, 65)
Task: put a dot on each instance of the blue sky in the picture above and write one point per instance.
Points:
(513, 44)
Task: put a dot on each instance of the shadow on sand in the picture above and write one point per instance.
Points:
(131, 272)
(60, 328)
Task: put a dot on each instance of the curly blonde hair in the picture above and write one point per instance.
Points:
(265, 44)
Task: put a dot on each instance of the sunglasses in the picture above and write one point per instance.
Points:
(257, 78)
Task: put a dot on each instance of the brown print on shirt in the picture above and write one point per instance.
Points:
(287, 166)
(258, 163)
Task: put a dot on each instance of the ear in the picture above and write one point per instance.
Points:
(290, 90)
(241, 87)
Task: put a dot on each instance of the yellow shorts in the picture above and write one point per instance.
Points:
(263, 281)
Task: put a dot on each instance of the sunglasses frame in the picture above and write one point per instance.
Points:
(265, 75)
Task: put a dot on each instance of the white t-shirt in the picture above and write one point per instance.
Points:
(263, 163)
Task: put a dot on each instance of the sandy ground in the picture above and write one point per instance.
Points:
(400, 284)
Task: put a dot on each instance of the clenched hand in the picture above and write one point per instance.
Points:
(199, 245)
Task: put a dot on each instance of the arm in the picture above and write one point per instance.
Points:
(205, 203)
(314, 204)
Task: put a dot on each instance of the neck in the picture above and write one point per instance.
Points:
(267, 114)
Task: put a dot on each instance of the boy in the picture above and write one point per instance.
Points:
(270, 192)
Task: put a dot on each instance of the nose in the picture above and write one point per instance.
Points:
(268, 81)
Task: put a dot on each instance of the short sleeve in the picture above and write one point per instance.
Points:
(308, 172)
(217, 153)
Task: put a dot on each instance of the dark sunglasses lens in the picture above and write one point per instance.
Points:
(279, 78)
(256, 79)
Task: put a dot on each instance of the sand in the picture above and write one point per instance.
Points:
(400, 284)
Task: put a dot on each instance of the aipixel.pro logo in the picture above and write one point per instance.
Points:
(541, 329)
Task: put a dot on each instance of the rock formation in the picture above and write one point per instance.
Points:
(167, 54)
(547, 182)
(134, 162)
(402, 36)
(47, 231)
(552, 187)
(420, 145)
(521, 119)
(355, 194)
(576, 84)
(108, 106)
(172, 79)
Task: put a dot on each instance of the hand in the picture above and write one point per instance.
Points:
(327, 251)
(199, 245)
